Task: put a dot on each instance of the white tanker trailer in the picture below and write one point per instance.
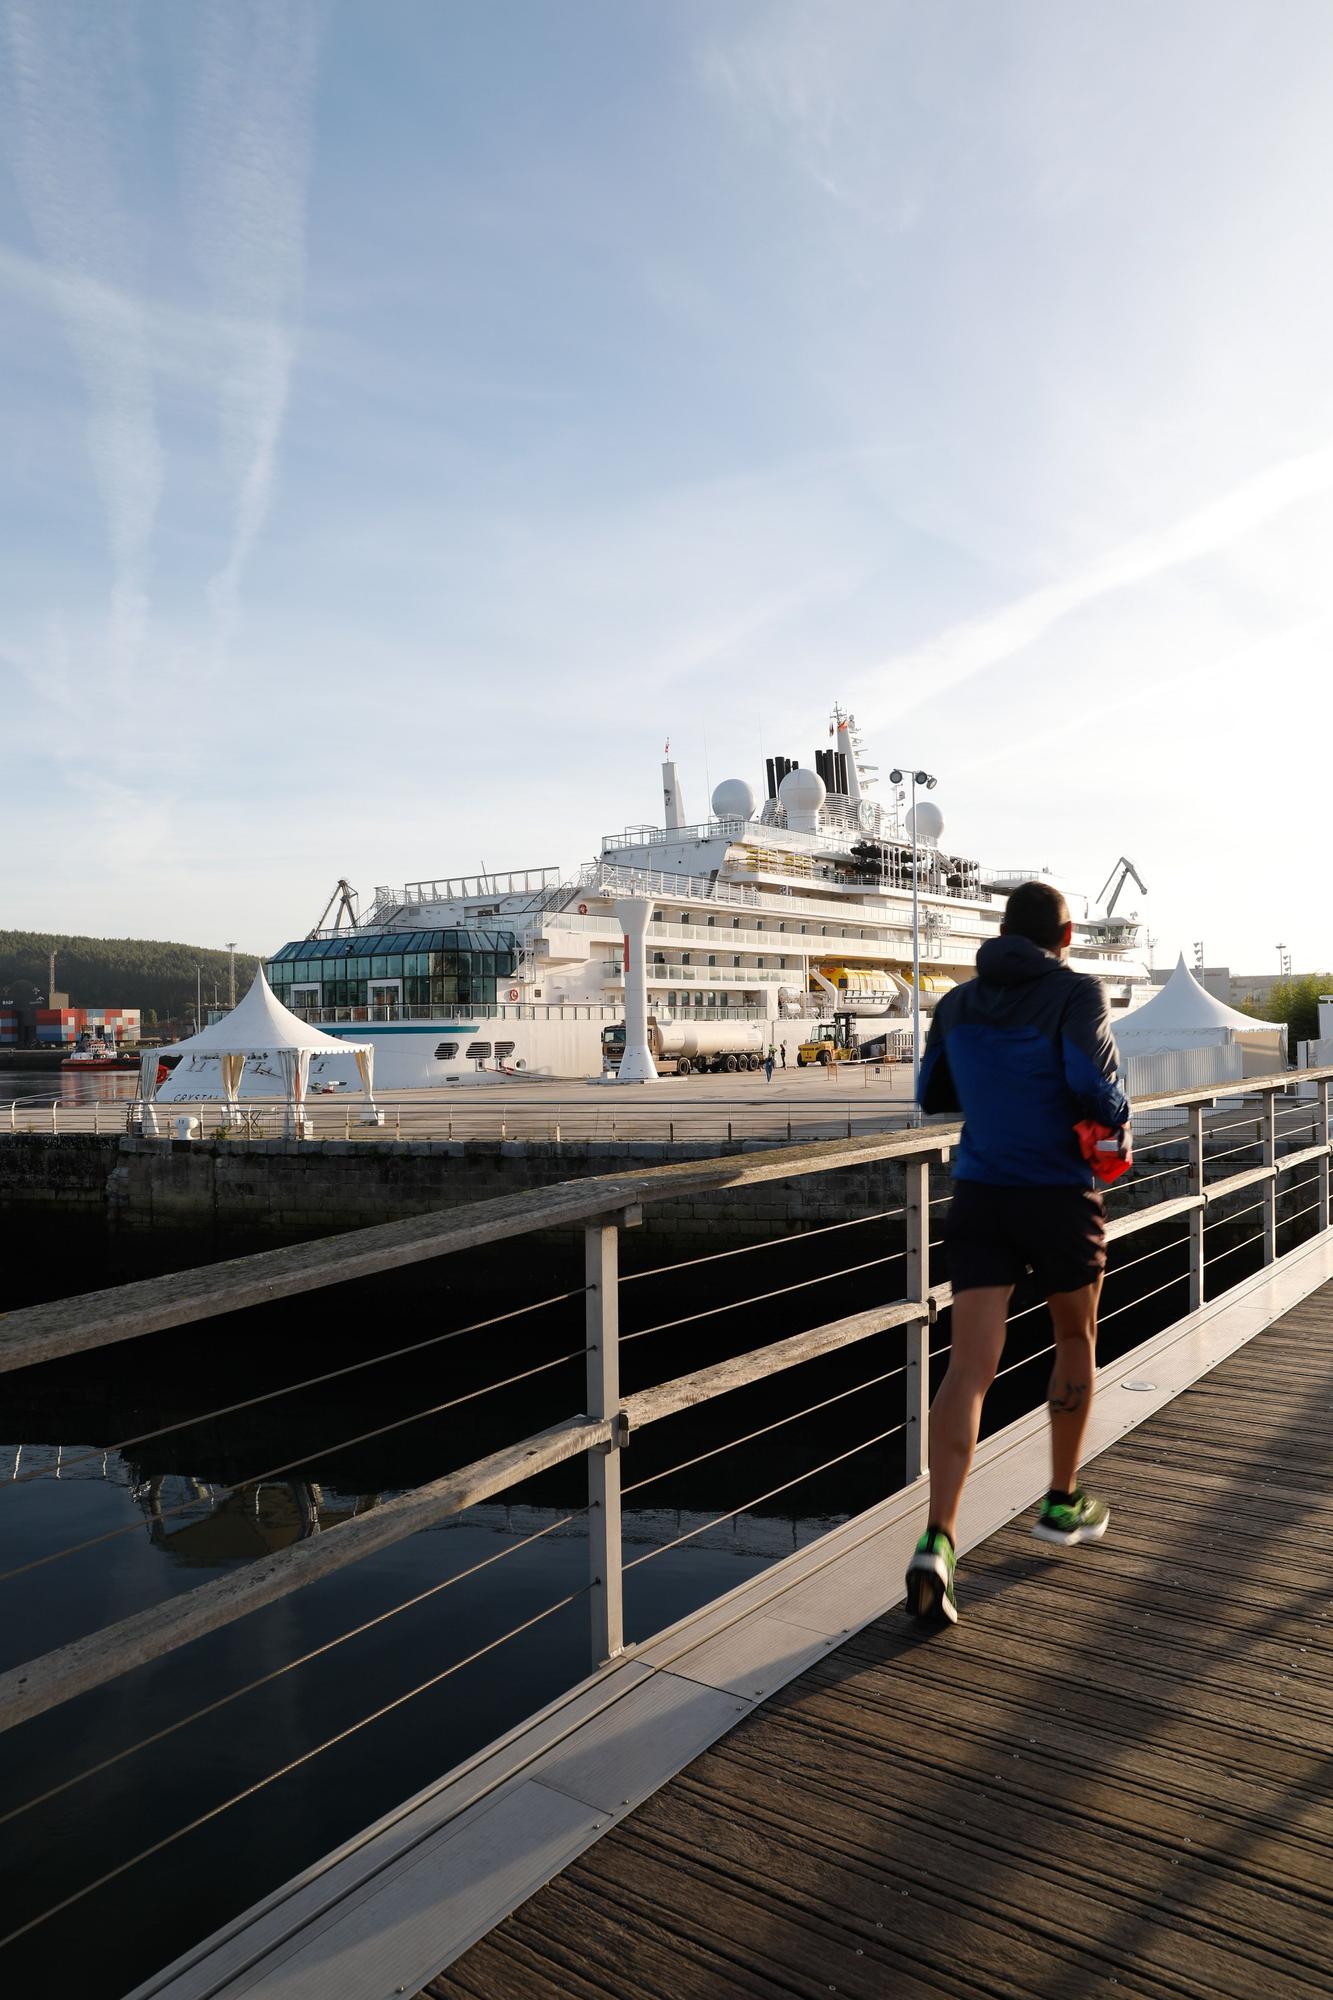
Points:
(686, 1048)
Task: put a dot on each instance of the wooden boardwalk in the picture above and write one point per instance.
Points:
(1116, 1775)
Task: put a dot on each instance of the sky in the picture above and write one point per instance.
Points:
(416, 413)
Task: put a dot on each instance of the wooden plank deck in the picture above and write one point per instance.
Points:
(1117, 1774)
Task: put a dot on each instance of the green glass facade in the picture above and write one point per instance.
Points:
(436, 968)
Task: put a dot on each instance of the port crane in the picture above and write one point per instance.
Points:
(1124, 871)
(344, 895)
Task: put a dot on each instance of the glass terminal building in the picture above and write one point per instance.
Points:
(395, 974)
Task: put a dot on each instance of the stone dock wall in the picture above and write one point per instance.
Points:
(297, 1188)
(286, 1189)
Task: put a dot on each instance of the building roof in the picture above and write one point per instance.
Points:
(384, 944)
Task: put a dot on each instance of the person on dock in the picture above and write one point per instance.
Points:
(769, 1060)
(1024, 1051)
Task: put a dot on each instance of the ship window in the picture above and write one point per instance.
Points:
(782, 965)
(478, 1051)
(711, 922)
(711, 959)
(446, 1052)
(737, 959)
(685, 958)
(735, 923)
(759, 961)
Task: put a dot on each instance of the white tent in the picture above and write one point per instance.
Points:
(1184, 1015)
(260, 1043)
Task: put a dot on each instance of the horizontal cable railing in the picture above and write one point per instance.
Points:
(602, 1208)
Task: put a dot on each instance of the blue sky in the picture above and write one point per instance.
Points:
(415, 413)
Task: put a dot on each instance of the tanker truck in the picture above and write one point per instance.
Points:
(690, 1048)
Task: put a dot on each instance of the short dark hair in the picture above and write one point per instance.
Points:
(1037, 912)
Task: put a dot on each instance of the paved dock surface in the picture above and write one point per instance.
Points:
(1116, 1775)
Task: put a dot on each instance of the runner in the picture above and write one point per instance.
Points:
(1024, 1050)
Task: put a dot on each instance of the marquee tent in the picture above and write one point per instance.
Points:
(1183, 1015)
(260, 1044)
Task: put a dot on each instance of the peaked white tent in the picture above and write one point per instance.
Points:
(1184, 1015)
(260, 1043)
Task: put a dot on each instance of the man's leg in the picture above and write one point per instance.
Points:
(955, 1414)
(1074, 1318)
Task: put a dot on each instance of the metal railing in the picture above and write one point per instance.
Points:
(599, 1432)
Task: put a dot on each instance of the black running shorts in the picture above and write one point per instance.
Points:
(994, 1235)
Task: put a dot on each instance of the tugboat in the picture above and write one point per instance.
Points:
(93, 1051)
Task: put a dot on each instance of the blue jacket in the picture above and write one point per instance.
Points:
(1024, 1050)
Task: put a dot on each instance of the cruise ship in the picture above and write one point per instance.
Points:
(781, 909)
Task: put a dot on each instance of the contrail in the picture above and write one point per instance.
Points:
(964, 651)
(246, 151)
(60, 141)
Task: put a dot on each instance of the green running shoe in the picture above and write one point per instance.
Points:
(930, 1595)
(1081, 1519)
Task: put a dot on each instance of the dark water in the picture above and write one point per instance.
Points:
(174, 1521)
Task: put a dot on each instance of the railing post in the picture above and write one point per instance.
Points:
(917, 1332)
(1270, 1187)
(1197, 1215)
(601, 1269)
(1322, 1139)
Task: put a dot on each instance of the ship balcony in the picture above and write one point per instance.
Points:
(783, 935)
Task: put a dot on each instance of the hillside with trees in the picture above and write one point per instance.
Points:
(156, 977)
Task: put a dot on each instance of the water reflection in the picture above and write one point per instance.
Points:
(68, 1087)
(201, 1524)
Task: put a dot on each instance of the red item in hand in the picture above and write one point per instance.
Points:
(1107, 1149)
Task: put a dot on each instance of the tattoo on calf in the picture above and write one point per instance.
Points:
(1066, 1401)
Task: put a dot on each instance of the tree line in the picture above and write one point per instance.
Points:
(1295, 1001)
(155, 976)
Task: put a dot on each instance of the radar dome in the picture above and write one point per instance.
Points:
(802, 791)
(926, 821)
(734, 799)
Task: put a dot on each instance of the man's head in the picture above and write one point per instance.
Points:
(1039, 913)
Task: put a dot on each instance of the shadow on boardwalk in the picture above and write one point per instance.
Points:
(1115, 1773)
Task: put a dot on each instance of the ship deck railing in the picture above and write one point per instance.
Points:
(391, 1908)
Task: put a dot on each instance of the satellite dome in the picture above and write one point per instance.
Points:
(926, 821)
(802, 791)
(734, 799)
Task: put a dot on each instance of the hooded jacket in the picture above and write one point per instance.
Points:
(1024, 1050)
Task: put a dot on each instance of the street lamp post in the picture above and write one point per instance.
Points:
(198, 1000)
(231, 973)
(918, 778)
